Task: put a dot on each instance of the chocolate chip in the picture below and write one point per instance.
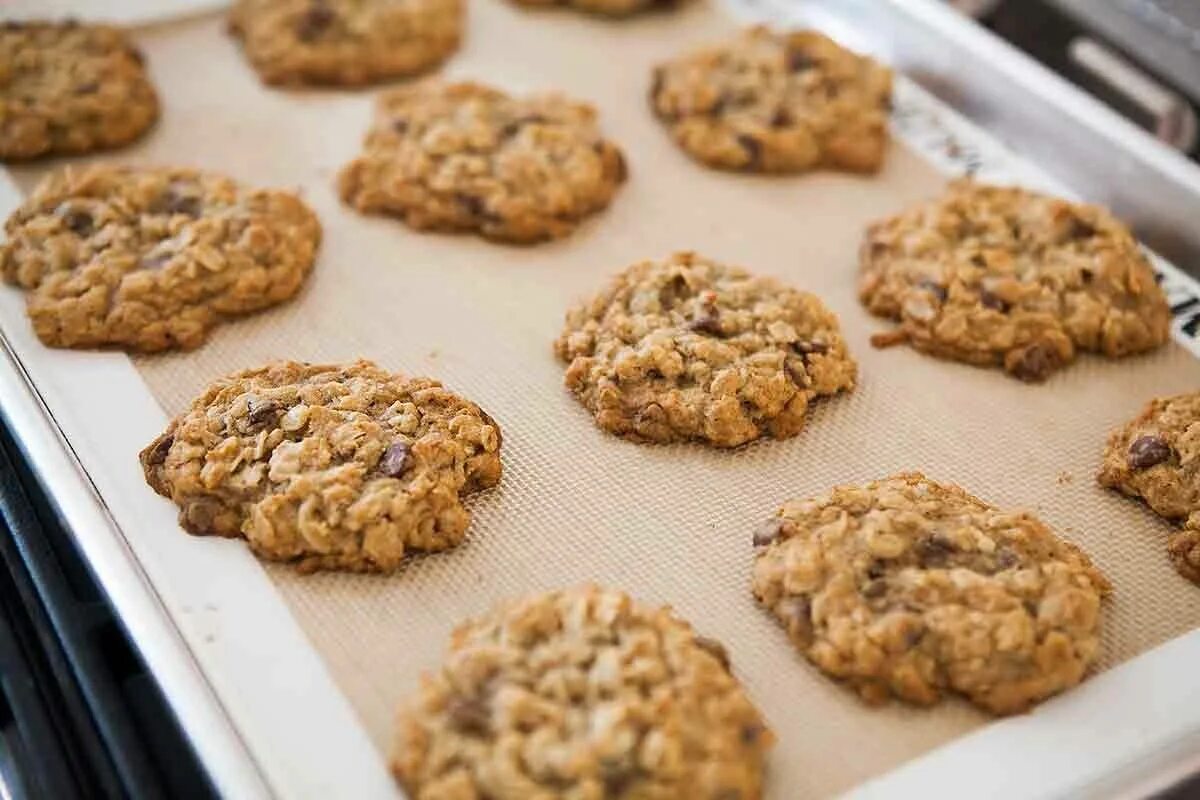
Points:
(709, 322)
(157, 452)
(808, 348)
(716, 650)
(768, 532)
(1081, 229)
(395, 459)
(876, 588)
(1146, 451)
(261, 411)
(673, 291)
(1034, 363)
(472, 204)
(992, 301)
(91, 87)
(876, 570)
(798, 61)
(751, 733)
(510, 129)
(400, 125)
(753, 149)
(781, 118)
(1086, 275)
(314, 22)
(934, 549)
(933, 287)
(978, 260)
(78, 221)
(469, 715)
(175, 200)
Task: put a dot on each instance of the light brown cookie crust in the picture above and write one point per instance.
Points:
(1000, 276)
(149, 259)
(1156, 457)
(345, 42)
(687, 348)
(327, 466)
(776, 102)
(67, 88)
(581, 693)
(466, 157)
(911, 588)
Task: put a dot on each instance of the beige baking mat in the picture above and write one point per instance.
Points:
(669, 524)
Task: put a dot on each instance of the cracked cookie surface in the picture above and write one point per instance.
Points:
(345, 42)
(1156, 457)
(466, 157)
(67, 89)
(1000, 276)
(328, 466)
(687, 348)
(911, 588)
(776, 102)
(581, 693)
(150, 259)
(608, 8)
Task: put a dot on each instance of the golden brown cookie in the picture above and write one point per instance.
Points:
(67, 88)
(1156, 456)
(345, 42)
(328, 466)
(466, 157)
(150, 259)
(913, 588)
(691, 349)
(581, 693)
(1000, 276)
(776, 102)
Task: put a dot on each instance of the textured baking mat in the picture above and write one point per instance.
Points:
(668, 524)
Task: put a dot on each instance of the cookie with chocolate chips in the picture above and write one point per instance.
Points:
(776, 102)
(466, 157)
(150, 259)
(1000, 276)
(67, 88)
(345, 42)
(581, 693)
(687, 348)
(327, 466)
(1156, 457)
(909, 588)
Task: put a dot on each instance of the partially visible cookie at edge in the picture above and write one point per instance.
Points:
(328, 466)
(67, 88)
(151, 258)
(468, 157)
(1156, 457)
(607, 8)
(345, 42)
(687, 348)
(581, 693)
(910, 588)
(776, 102)
(1002, 276)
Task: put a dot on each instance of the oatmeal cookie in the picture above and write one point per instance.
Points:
(999, 276)
(1156, 457)
(67, 88)
(776, 102)
(329, 466)
(912, 588)
(345, 42)
(581, 693)
(149, 259)
(608, 8)
(466, 157)
(690, 349)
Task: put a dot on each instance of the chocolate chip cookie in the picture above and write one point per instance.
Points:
(150, 259)
(1156, 457)
(999, 276)
(345, 42)
(913, 588)
(67, 88)
(581, 693)
(466, 157)
(687, 348)
(776, 102)
(608, 8)
(328, 466)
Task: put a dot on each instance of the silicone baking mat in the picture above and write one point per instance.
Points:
(668, 524)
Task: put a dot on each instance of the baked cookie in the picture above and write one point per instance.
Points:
(345, 42)
(150, 258)
(912, 588)
(466, 157)
(776, 102)
(67, 88)
(325, 465)
(690, 349)
(581, 693)
(999, 276)
(608, 8)
(1156, 457)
